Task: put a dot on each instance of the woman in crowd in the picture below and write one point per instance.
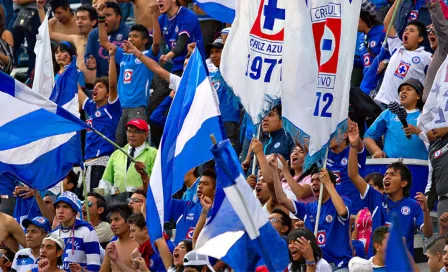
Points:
(6, 45)
(305, 254)
(63, 54)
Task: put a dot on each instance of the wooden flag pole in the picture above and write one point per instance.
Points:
(319, 205)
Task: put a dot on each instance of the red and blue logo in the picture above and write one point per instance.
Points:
(270, 22)
(321, 238)
(402, 69)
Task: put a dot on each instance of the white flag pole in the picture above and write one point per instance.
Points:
(319, 204)
(254, 163)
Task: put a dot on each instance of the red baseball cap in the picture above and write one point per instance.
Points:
(138, 123)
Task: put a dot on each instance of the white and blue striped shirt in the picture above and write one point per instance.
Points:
(24, 260)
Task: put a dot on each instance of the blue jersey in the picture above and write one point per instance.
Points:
(135, 78)
(183, 22)
(105, 120)
(332, 229)
(186, 214)
(409, 213)
(338, 164)
(79, 78)
(372, 45)
(191, 193)
(229, 104)
(358, 49)
(101, 55)
(396, 145)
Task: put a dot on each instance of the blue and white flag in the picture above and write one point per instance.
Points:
(397, 255)
(65, 92)
(185, 144)
(221, 10)
(238, 231)
(253, 55)
(316, 79)
(36, 136)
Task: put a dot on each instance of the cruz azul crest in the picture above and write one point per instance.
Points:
(266, 42)
(326, 25)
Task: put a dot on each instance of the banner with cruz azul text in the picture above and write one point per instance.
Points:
(253, 56)
(318, 52)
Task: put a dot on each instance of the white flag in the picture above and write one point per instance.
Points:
(43, 73)
(320, 39)
(253, 55)
(435, 110)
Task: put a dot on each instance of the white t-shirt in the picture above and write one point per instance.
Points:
(321, 266)
(24, 260)
(403, 64)
(174, 82)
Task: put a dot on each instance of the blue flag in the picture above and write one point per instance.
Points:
(397, 257)
(36, 136)
(370, 79)
(221, 10)
(238, 231)
(185, 144)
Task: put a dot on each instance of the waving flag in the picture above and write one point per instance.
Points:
(44, 75)
(238, 231)
(36, 136)
(435, 110)
(193, 116)
(397, 256)
(321, 89)
(253, 54)
(65, 92)
(221, 10)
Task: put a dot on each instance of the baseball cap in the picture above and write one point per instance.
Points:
(55, 238)
(138, 123)
(195, 259)
(415, 83)
(39, 221)
(368, 7)
(218, 43)
(71, 199)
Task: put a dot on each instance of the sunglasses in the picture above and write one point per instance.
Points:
(89, 203)
(275, 220)
(135, 200)
(2, 255)
(429, 30)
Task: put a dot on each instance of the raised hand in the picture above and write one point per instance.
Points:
(206, 202)
(256, 146)
(421, 199)
(112, 49)
(252, 181)
(353, 134)
(91, 63)
(112, 252)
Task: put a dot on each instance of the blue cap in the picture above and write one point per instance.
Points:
(71, 199)
(39, 221)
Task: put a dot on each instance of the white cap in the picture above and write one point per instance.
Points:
(193, 258)
(55, 238)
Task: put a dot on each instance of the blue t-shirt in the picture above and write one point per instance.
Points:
(333, 233)
(191, 193)
(229, 104)
(135, 78)
(105, 120)
(79, 77)
(396, 145)
(374, 39)
(101, 55)
(183, 22)
(186, 214)
(409, 213)
(338, 164)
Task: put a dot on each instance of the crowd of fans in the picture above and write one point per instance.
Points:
(127, 77)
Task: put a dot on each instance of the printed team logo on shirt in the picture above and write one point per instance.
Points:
(137, 61)
(416, 60)
(344, 161)
(338, 177)
(372, 43)
(119, 37)
(366, 59)
(190, 233)
(413, 15)
(437, 154)
(97, 113)
(127, 78)
(441, 151)
(176, 29)
(405, 210)
(89, 123)
(402, 70)
(190, 216)
(216, 85)
(321, 237)
(276, 145)
(329, 218)
(151, 263)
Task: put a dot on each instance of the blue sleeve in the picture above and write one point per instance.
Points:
(188, 24)
(92, 40)
(379, 127)
(158, 116)
(372, 198)
(348, 204)
(419, 218)
(114, 108)
(89, 107)
(118, 56)
(300, 210)
(362, 158)
(177, 208)
(81, 79)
